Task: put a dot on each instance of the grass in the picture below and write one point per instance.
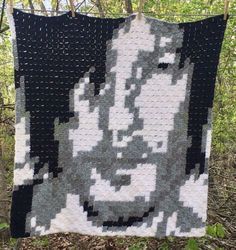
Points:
(41, 242)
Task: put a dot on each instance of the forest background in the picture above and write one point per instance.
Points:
(221, 229)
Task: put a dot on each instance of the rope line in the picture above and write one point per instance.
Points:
(80, 4)
(127, 14)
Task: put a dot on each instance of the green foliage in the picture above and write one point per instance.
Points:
(192, 245)
(217, 230)
(171, 238)
(139, 245)
(41, 242)
(224, 135)
(3, 226)
(164, 246)
(12, 243)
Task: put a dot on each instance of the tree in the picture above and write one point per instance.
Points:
(128, 6)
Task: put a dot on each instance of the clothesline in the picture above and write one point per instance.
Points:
(126, 14)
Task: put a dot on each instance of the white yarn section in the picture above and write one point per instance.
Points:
(120, 117)
(194, 194)
(171, 227)
(164, 41)
(88, 134)
(33, 221)
(21, 140)
(167, 58)
(208, 143)
(65, 222)
(21, 149)
(143, 182)
(158, 103)
(139, 72)
(23, 174)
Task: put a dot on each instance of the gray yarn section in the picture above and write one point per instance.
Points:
(15, 54)
(19, 114)
(20, 100)
(76, 175)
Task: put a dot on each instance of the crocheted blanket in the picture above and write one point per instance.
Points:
(113, 124)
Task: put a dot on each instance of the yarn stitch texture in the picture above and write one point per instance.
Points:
(113, 124)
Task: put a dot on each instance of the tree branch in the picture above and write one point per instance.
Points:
(98, 4)
(42, 6)
(128, 6)
(57, 7)
(31, 6)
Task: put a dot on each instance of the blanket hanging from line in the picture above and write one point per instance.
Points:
(113, 124)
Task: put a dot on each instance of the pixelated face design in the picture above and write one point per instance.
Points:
(130, 160)
(115, 152)
(123, 136)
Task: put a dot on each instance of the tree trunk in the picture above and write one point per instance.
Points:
(42, 6)
(128, 6)
(57, 7)
(4, 204)
(100, 8)
(31, 6)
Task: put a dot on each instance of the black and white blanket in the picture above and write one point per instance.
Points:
(113, 124)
